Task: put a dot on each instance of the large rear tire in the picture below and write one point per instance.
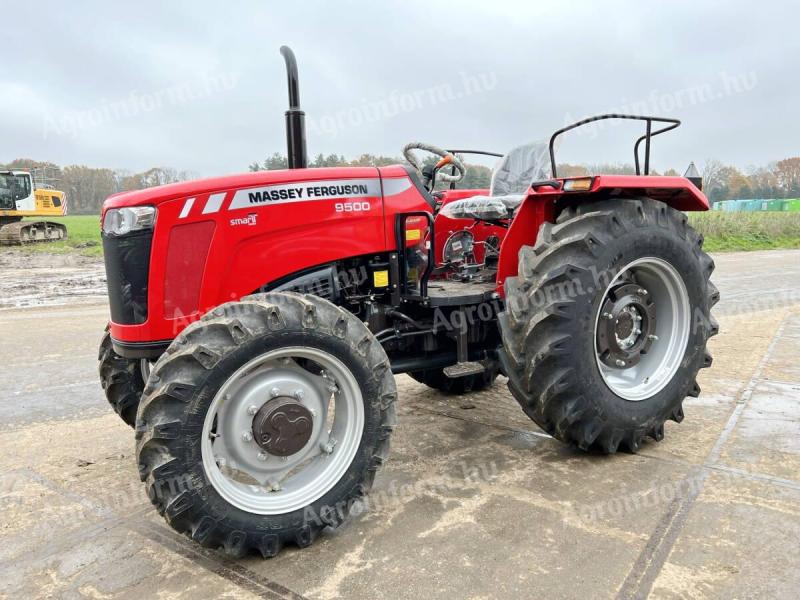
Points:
(264, 422)
(606, 323)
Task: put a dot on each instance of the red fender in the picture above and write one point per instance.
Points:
(540, 206)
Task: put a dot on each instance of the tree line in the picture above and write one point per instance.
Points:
(477, 176)
(779, 179)
(87, 187)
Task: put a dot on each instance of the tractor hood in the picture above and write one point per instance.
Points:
(164, 193)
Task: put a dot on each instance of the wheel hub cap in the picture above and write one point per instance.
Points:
(282, 430)
(625, 330)
(282, 426)
(636, 355)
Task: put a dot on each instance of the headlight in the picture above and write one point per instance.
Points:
(119, 221)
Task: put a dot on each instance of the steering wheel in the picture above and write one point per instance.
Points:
(446, 159)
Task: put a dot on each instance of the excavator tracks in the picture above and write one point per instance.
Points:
(28, 232)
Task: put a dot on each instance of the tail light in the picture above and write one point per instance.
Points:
(579, 184)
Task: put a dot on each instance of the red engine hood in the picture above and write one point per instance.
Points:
(165, 193)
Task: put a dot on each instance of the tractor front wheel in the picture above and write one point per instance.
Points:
(606, 323)
(264, 422)
(122, 380)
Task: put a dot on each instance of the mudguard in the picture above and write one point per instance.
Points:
(543, 201)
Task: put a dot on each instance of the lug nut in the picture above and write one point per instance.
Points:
(262, 456)
(252, 409)
(247, 436)
(641, 292)
(620, 363)
(299, 394)
(274, 392)
(652, 338)
(608, 316)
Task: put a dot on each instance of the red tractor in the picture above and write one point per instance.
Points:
(257, 320)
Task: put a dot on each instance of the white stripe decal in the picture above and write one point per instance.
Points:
(213, 203)
(395, 185)
(187, 206)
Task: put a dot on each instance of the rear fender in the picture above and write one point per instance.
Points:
(543, 203)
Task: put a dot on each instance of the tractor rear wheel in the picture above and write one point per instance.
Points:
(264, 422)
(606, 324)
(436, 379)
(122, 380)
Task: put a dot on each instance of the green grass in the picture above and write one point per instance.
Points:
(83, 237)
(747, 231)
(722, 231)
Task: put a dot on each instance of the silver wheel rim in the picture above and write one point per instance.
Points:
(254, 480)
(144, 369)
(655, 369)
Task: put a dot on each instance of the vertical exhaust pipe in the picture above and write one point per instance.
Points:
(295, 118)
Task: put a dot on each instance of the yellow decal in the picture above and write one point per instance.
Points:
(380, 279)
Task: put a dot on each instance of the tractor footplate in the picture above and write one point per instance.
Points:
(463, 369)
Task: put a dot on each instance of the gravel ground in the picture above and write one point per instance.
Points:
(49, 279)
(474, 502)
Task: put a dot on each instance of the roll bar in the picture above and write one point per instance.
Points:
(649, 133)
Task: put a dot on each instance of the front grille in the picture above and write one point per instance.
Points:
(127, 259)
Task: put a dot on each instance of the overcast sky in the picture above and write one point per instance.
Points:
(201, 86)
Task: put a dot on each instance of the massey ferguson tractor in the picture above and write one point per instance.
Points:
(257, 320)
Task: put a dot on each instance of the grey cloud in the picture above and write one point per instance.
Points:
(67, 63)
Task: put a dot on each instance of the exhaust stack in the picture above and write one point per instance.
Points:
(295, 118)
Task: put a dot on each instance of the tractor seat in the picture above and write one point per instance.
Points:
(511, 179)
(483, 208)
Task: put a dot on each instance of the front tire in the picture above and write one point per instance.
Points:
(264, 422)
(606, 323)
(122, 380)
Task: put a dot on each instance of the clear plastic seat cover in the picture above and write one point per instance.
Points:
(511, 177)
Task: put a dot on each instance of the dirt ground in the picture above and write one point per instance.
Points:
(474, 502)
(34, 279)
